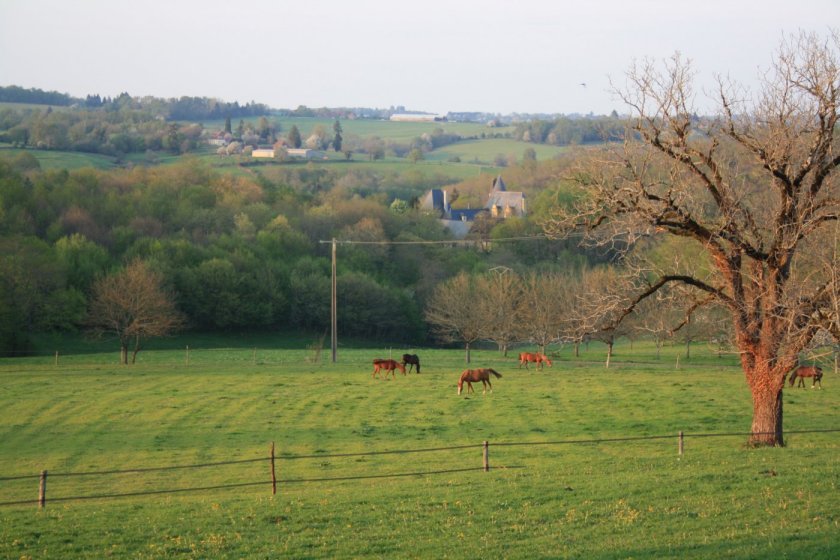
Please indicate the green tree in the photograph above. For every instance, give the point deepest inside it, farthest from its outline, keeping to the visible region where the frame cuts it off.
(337, 138)
(294, 137)
(415, 155)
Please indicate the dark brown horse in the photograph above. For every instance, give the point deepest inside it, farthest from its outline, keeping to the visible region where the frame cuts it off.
(536, 357)
(807, 371)
(388, 365)
(411, 360)
(483, 375)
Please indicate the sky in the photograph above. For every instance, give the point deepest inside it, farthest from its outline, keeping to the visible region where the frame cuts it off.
(496, 56)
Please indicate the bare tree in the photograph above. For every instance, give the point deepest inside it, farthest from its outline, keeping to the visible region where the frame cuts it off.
(500, 306)
(133, 306)
(452, 311)
(753, 187)
(547, 300)
(599, 312)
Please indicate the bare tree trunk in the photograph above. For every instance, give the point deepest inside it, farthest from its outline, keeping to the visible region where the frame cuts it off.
(136, 350)
(468, 352)
(767, 417)
(123, 354)
(609, 353)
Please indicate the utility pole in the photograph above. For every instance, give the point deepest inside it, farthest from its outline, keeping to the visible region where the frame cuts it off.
(333, 307)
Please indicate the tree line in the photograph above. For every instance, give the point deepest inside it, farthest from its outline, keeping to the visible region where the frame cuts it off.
(234, 251)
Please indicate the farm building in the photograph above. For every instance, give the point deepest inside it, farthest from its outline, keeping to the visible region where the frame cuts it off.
(417, 117)
(501, 203)
(263, 153)
(305, 153)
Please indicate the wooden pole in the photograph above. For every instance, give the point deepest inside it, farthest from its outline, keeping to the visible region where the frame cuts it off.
(188, 354)
(681, 443)
(333, 306)
(42, 490)
(273, 475)
(486, 456)
(56, 357)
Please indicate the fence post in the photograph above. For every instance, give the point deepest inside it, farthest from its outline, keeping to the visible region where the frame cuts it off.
(188, 354)
(56, 357)
(681, 444)
(486, 456)
(273, 475)
(42, 490)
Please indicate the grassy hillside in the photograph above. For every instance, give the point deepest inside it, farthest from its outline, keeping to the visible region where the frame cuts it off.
(401, 132)
(63, 160)
(335, 500)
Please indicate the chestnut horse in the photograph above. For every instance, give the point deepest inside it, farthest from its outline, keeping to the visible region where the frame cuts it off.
(483, 375)
(540, 359)
(388, 365)
(807, 371)
(411, 360)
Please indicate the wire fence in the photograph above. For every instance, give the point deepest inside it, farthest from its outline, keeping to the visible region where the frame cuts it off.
(272, 482)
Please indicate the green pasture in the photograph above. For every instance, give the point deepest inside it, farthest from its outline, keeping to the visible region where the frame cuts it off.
(193, 400)
(485, 151)
(50, 159)
(394, 131)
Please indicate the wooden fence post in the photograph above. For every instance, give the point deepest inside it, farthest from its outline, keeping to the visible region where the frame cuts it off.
(42, 490)
(486, 456)
(188, 354)
(681, 444)
(56, 357)
(273, 475)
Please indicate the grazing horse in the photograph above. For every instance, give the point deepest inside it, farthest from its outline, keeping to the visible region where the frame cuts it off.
(388, 365)
(483, 375)
(411, 360)
(807, 371)
(537, 357)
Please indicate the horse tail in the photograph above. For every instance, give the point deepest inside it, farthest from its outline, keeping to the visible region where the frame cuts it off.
(494, 372)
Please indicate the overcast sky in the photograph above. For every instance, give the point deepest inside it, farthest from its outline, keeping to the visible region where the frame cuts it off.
(499, 56)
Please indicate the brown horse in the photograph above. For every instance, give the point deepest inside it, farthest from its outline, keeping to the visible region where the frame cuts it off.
(807, 371)
(483, 375)
(411, 360)
(537, 357)
(388, 365)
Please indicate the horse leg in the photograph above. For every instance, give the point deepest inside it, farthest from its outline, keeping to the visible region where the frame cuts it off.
(491, 385)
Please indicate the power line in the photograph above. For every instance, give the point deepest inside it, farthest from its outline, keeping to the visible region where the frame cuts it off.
(439, 242)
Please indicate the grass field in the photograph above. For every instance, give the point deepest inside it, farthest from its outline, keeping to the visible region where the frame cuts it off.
(400, 132)
(63, 160)
(81, 413)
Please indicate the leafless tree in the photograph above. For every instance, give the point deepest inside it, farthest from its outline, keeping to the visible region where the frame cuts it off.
(500, 304)
(599, 312)
(547, 302)
(133, 305)
(452, 312)
(754, 187)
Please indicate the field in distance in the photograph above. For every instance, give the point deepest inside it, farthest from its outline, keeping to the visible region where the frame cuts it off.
(352, 482)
